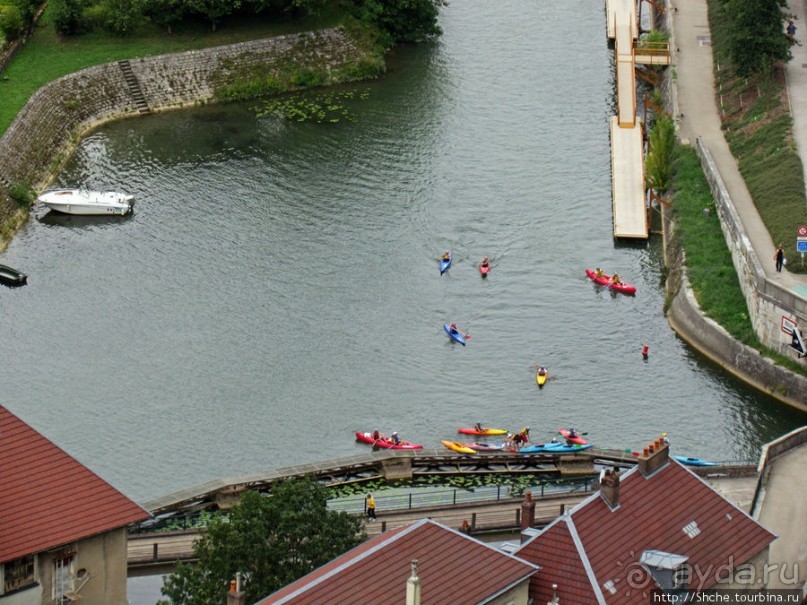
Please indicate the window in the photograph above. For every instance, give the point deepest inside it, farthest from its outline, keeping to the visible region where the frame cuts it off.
(18, 573)
(62, 579)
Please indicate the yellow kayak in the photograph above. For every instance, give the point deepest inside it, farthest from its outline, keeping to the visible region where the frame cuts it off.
(541, 378)
(458, 447)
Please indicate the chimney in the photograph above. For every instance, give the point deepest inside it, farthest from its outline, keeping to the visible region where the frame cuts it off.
(527, 511)
(609, 488)
(236, 596)
(654, 456)
(555, 600)
(413, 586)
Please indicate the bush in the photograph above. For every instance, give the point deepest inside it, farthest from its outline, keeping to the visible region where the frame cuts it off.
(23, 194)
(11, 23)
(68, 16)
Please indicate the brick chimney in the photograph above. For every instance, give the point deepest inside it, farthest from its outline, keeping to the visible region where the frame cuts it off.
(609, 488)
(413, 586)
(653, 457)
(236, 596)
(555, 600)
(527, 511)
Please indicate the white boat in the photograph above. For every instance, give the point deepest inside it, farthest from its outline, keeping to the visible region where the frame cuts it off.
(82, 201)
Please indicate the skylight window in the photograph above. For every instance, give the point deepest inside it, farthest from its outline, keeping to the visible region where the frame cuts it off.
(691, 529)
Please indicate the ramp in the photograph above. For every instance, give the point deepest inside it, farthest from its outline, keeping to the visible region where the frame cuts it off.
(627, 168)
(618, 10)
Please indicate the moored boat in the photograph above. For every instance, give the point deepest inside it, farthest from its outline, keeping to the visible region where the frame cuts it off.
(483, 432)
(85, 202)
(12, 277)
(458, 447)
(572, 439)
(554, 448)
(694, 461)
(386, 443)
(605, 280)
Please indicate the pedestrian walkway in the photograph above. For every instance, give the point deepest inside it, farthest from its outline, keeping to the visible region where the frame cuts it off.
(698, 116)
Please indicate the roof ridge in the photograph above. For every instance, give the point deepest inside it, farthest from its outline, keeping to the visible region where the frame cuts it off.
(581, 551)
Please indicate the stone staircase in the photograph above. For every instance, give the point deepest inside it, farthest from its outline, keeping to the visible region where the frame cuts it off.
(134, 87)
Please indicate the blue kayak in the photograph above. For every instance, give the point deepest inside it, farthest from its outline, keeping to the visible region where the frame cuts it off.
(445, 264)
(694, 461)
(553, 448)
(454, 335)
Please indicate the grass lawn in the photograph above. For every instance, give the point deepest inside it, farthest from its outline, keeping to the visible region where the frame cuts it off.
(48, 56)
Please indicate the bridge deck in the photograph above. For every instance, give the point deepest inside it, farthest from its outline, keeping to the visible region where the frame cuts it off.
(627, 167)
(619, 10)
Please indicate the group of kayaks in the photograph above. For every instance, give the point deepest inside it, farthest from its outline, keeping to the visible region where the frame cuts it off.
(610, 281)
(454, 333)
(571, 443)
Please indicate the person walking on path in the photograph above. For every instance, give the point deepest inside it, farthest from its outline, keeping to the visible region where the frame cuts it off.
(779, 257)
(370, 507)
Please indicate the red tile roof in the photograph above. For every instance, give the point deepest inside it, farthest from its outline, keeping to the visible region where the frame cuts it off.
(653, 513)
(452, 568)
(48, 498)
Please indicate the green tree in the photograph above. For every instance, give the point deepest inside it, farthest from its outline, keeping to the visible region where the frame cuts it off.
(11, 23)
(271, 540)
(67, 16)
(661, 154)
(213, 10)
(164, 13)
(756, 40)
(402, 20)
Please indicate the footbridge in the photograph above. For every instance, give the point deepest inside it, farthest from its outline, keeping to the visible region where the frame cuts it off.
(630, 212)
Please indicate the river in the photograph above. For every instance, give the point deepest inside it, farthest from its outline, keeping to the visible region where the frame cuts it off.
(277, 286)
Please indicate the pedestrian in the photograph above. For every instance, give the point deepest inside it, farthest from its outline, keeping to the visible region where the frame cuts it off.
(370, 507)
(779, 257)
(791, 31)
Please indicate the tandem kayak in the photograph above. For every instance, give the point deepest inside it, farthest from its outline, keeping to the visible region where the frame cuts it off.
(694, 461)
(483, 432)
(576, 439)
(554, 448)
(454, 334)
(605, 280)
(458, 447)
(387, 443)
(541, 378)
(445, 263)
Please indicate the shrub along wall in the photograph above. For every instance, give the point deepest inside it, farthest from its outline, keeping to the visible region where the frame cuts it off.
(58, 114)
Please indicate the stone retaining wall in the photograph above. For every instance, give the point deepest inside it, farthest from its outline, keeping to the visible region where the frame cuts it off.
(56, 117)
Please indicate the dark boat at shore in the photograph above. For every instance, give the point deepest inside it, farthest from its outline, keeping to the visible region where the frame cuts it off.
(11, 277)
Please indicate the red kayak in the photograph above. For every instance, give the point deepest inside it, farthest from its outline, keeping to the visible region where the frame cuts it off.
(484, 269)
(576, 439)
(605, 280)
(387, 443)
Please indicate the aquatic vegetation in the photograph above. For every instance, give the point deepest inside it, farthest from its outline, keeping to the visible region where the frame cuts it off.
(323, 108)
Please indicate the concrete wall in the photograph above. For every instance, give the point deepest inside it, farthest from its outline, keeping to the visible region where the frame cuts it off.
(58, 114)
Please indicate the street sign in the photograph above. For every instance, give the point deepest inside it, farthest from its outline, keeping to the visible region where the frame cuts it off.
(801, 246)
(798, 343)
(788, 325)
(803, 231)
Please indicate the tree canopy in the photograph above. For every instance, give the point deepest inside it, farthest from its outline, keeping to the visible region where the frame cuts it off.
(757, 40)
(272, 540)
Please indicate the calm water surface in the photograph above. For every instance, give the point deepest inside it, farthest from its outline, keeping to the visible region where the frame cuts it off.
(277, 287)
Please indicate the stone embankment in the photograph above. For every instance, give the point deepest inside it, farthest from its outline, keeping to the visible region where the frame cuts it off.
(56, 117)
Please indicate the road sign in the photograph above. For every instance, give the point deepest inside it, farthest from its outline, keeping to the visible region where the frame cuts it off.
(788, 325)
(803, 231)
(801, 246)
(798, 343)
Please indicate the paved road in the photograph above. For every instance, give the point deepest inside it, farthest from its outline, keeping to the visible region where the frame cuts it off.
(784, 512)
(698, 116)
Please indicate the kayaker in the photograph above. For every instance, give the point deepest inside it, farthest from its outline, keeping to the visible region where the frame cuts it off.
(395, 439)
(572, 433)
(525, 434)
(446, 255)
(485, 263)
(376, 435)
(478, 427)
(453, 327)
(541, 371)
(554, 440)
(615, 279)
(598, 272)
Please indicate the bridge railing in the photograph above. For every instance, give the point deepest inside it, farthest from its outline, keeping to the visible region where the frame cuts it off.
(770, 452)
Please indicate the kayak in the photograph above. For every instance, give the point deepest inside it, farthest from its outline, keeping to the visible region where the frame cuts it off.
(487, 432)
(386, 443)
(458, 447)
(485, 447)
(694, 461)
(541, 378)
(554, 448)
(578, 439)
(484, 269)
(605, 280)
(454, 334)
(445, 264)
